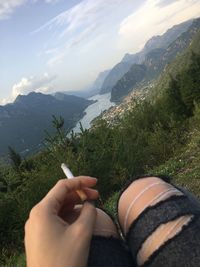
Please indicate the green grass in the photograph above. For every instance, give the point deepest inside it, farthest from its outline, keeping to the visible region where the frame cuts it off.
(184, 168)
(111, 204)
(15, 260)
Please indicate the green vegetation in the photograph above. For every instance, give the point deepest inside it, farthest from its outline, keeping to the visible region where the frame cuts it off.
(159, 136)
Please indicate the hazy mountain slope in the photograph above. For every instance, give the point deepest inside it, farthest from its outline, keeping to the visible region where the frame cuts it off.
(155, 42)
(128, 80)
(22, 123)
(94, 89)
(79, 93)
(114, 75)
(96, 86)
(159, 41)
(154, 63)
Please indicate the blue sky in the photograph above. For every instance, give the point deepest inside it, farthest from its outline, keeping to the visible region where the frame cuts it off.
(57, 45)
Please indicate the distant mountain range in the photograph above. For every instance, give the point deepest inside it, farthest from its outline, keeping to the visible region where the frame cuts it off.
(159, 41)
(186, 60)
(94, 89)
(22, 123)
(115, 74)
(152, 49)
(155, 48)
(154, 62)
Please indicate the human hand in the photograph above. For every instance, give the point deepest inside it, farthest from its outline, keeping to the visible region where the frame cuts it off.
(52, 239)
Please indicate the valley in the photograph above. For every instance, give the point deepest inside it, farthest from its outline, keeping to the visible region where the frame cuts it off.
(23, 122)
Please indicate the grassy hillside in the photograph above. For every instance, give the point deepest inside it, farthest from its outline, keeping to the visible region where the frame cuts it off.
(183, 167)
(181, 63)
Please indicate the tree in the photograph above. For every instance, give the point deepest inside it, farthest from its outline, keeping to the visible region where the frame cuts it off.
(172, 100)
(190, 83)
(15, 158)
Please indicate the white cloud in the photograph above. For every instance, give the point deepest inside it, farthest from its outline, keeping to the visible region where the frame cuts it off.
(7, 7)
(4, 101)
(60, 53)
(154, 18)
(74, 17)
(81, 24)
(51, 1)
(43, 84)
(47, 1)
(27, 85)
(163, 3)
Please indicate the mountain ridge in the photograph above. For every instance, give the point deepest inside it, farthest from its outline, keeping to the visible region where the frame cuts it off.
(93, 89)
(155, 62)
(161, 41)
(121, 68)
(23, 122)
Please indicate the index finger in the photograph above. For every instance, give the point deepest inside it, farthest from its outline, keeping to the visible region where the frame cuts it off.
(56, 196)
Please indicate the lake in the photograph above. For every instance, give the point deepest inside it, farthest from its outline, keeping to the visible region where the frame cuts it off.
(103, 103)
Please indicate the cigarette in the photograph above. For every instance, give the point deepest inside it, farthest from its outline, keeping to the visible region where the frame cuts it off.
(69, 175)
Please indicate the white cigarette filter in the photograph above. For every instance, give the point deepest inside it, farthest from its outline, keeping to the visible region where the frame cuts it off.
(67, 171)
(69, 175)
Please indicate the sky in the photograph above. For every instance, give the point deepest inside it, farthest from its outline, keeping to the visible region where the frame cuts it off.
(61, 45)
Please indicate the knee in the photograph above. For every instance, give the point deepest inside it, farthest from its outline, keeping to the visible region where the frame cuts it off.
(104, 225)
(141, 194)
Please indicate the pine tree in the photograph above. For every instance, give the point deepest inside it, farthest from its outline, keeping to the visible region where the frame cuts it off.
(172, 101)
(15, 158)
(190, 83)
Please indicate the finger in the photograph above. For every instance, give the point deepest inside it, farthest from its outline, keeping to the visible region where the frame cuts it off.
(86, 220)
(91, 194)
(71, 217)
(68, 206)
(73, 198)
(58, 194)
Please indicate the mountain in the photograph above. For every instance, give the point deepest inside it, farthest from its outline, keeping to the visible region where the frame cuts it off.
(114, 75)
(97, 85)
(23, 122)
(163, 41)
(94, 89)
(79, 93)
(154, 63)
(176, 70)
(181, 63)
(128, 81)
(159, 41)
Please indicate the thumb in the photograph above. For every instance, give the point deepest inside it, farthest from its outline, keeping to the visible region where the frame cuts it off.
(87, 219)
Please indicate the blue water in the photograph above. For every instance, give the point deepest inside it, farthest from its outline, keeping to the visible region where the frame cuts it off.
(103, 103)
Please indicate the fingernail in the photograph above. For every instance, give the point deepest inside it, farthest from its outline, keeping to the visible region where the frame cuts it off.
(93, 177)
(92, 202)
